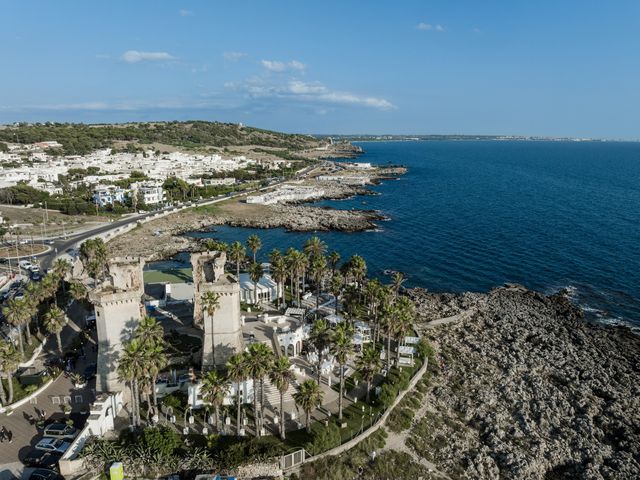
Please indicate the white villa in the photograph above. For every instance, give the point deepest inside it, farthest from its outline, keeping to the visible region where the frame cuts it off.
(266, 288)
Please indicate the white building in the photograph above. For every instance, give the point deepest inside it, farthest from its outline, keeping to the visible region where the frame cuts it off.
(108, 194)
(266, 288)
(219, 181)
(152, 193)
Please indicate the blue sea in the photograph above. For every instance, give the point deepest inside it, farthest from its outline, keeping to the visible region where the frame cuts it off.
(472, 215)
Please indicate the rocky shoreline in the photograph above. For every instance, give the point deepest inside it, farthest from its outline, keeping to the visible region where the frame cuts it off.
(528, 389)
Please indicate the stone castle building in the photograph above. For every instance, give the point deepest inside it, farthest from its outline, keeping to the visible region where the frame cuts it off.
(118, 309)
(223, 332)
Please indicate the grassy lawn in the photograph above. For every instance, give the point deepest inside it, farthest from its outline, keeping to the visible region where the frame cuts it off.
(176, 275)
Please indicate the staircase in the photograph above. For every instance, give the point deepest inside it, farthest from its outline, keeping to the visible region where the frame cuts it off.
(272, 394)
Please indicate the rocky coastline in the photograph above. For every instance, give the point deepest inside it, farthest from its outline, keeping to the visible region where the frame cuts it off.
(528, 389)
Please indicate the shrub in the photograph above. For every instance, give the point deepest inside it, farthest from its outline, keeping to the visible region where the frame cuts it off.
(325, 439)
(161, 440)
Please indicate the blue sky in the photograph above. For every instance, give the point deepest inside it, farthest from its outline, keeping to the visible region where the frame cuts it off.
(492, 67)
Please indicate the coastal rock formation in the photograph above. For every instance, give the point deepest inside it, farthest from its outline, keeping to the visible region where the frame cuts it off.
(528, 390)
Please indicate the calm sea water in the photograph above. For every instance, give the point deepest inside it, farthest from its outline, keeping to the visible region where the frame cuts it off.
(474, 215)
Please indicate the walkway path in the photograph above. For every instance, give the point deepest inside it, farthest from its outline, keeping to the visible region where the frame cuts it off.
(398, 442)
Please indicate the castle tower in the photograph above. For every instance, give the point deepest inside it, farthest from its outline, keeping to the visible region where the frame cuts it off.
(118, 308)
(223, 332)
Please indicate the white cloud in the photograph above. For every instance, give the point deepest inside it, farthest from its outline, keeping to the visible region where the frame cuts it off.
(233, 56)
(277, 66)
(185, 13)
(476, 30)
(307, 92)
(135, 56)
(428, 26)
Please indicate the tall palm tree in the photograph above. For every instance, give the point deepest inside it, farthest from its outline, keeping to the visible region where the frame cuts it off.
(334, 259)
(54, 322)
(397, 279)
(156, 360)
(149, 331)
(213, 390)
(237, 371)
(318, 268)
(279, 272)
(254, 243)
(281, 376)
(93, 254)
(78, 290)
(368, 365)
(236, 254)
(337, 283)
(314, 247)
(388, 316)
(357, 269)
(274, 255)
(290, 263)
(9, 361)
(255, 272)
(308, 396)
(342, 348)
(62, 268)
(299, 264)
(211, 303)
(131, 369)
(17, 315)
(321, 338)
(261, 361)
(405, 314)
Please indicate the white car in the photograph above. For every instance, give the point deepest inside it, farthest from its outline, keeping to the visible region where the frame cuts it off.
(49, 444)
(34, 269)
(26, 264)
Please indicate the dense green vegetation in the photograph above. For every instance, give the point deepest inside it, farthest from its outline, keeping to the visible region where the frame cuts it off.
(80, 139)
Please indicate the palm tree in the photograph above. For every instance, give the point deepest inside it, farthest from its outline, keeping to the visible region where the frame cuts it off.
(337, 282)
(260, 362)
(9, 361)
(17, 315)
(131, 369)
(357, 269)
(342, 348)
(237, 254)
(54, 322)
(397, 279)
(254, 243)
(93, 254)
(308, 396)
(318, 267)
(149, 332)
(214, 389)
(405, 310)
(255, 272)
(211, 303)
(62, 268)
(237, 371)
(299, 264)
(279, 272)
(78, 291)
(314, 248)
(388, 317)
(320, 337)
(334, 259)
(156, 360)
(369, 365)
(281, 376)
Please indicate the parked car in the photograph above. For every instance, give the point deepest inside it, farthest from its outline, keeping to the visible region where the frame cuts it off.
(60, 430)
(49, 444)
(26, 264)
(44, 474)
(34, 268)
(35, 276)
(40, 458)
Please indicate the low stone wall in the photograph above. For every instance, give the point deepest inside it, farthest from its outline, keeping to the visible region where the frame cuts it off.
(9, 408)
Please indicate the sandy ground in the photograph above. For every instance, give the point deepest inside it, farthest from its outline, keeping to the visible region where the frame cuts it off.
(30, 220)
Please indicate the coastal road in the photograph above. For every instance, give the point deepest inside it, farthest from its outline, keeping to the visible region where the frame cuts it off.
(60, 245)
